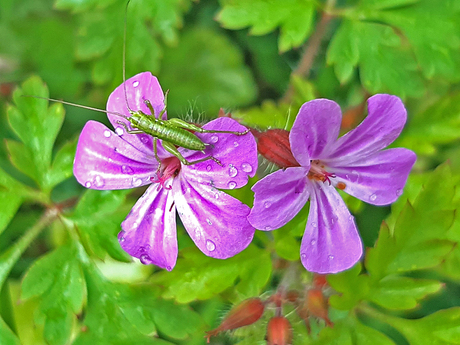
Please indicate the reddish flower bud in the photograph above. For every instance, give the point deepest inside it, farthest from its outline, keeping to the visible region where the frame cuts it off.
(274, 146)
(244, 314)
(317, 305)
(319, 280)
(279, 331)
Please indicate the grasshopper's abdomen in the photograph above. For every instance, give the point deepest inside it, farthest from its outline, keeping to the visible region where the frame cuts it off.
(160, 129)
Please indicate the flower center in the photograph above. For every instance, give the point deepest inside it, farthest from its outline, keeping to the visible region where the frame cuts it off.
(318, 172)
(170, 168)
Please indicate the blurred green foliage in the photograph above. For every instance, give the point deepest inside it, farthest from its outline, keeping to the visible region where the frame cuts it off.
(64, 278)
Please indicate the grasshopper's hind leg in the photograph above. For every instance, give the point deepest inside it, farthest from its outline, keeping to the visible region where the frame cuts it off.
(182, 124)
(173, 150)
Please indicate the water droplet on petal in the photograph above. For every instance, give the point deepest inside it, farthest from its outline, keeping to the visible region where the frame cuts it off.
(210, 245)
(144, 139)
(373, 197)
(313, 242)
(98, 181)
(214, 139)
(313, 224)
(136, 84)
(399, 191)
(107, 133)
(134, 225)
(136, 182)
(246, 167)
(351, 218)
(232, 185)
(208, 168)
(303, 256)
(121, 239)
(267, 204)
(88, 184)
(119, 131)
(268, 227)
(235, 144)
(145, 259)
(354, 176)
(232, 171)
(208, 221)
(216, 195)
(126, 169)
(331, 257)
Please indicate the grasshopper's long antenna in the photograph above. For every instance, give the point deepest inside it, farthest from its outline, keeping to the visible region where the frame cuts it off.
(124, 57)
(78, 105)
(287, 120)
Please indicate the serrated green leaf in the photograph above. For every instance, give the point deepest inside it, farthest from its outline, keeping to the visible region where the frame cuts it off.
(198, 277)
(294, 17)
(401, 292)
(58, 279)
(62, 163)
(216, 74)
(439, 328)
(382, 60)
(22, 159)
(37, 126)
(9, 204)
(98, 220)
(7, 337)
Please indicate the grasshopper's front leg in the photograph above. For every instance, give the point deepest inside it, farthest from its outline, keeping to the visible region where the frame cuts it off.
(185, 125)
(173, 150)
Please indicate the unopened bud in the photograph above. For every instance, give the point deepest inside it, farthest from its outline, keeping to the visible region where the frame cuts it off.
(244, 314)
(317, 305)
(274, 146)
(279, 331)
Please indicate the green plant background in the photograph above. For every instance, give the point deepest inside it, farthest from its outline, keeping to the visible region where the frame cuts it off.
(63, 277)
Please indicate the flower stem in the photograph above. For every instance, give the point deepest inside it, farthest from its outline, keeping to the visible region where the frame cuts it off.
(12, 255)
(311, 49)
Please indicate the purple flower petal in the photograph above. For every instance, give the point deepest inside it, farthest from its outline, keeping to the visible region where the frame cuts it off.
(331, 242)
(105, 161)
(215, 221)
(236, 153)
(316, 127)
(378, 179)
(143, 86)
(278, 198)
(149, 231)
(379, 129)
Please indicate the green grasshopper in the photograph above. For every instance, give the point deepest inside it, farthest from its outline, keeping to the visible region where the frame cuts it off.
(173, 132)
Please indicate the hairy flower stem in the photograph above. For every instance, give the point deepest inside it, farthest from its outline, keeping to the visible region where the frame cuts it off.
(311, 50)
(12, 255)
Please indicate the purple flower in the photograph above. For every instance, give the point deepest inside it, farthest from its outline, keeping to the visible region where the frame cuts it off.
(354, 163)
(215, 221)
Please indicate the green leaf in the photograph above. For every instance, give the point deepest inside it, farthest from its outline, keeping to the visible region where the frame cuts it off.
(350, 331)
(37, 126)
(12, 194)
(400, 248)
(378, 52)
(62, 164)
(439, 328)
(293, 17)
(58, 279)
(98, 217)
(216, 74)
(7, 337)
(198, 277)
(399, 293)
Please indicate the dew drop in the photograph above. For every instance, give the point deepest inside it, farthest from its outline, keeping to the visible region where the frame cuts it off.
(136, 84)
(313, 242)
(121, 239)
(216, 195)
(208, 221)
(208, 168)
(351, 218)
(136, 182)
(88, 184)
(246, 167)
(145, 259)
(214, 139)
(210, 245)
(303, 256)
(267, 204)
(373, 197)
(331, 257)
(126, 169)
(354, 176)
(144, 139)
(232, 171)
(235, 144)
(134, 225)
(107, 134)
(119, 130)
(399, 191)
(98, 181)
(313, 224)
(232, 185)
(268, 227)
